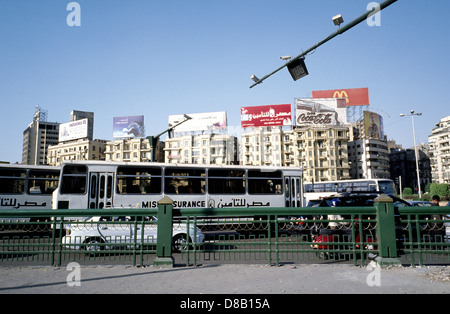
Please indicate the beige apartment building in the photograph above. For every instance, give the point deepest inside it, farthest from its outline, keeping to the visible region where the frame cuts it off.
(320, 151)
(133, 150)
(439, 148)
(208, 149)
(80, 149)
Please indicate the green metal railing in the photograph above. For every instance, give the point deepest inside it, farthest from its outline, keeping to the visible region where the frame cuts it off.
(408, 235)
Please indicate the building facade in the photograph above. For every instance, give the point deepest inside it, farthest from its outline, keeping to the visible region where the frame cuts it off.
(320, 151)
(37, 137)
(133, 150)
(368, 153)
(208, 149)
(80, 149)
(439, 149)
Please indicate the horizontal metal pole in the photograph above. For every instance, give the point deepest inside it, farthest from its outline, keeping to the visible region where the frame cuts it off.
(336, 33)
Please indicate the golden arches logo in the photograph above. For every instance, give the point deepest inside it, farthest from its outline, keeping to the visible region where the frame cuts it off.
(341, 94)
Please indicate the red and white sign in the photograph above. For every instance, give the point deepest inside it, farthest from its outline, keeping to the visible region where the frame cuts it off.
(352, 96)
(270, 115)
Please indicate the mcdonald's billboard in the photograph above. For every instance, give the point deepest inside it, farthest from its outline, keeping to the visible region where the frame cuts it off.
(352, 96)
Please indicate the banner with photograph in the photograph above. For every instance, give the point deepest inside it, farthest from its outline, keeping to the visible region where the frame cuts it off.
(373, 125)
(128, 127)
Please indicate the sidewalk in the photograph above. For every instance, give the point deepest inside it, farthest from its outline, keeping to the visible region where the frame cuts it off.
(225, 279)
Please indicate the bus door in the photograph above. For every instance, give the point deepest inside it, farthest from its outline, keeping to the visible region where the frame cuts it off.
(293, 191)
(101, 189)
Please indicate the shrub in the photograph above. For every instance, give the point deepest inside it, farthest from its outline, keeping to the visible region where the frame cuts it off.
(440, 189)
(407, 191)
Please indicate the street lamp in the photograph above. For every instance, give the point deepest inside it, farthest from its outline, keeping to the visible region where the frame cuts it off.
(412, 114)
(296, 64)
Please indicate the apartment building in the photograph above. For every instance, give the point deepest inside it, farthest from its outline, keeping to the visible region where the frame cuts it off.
(37, 137)
(79, 149)
(439, 150)
(369, 158)
(320, 151)
(209, 149)
(133, 150)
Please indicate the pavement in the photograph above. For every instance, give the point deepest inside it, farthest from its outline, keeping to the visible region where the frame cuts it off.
(225, 279)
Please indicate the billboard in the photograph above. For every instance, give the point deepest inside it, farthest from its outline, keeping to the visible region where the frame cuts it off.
(320, 112)
(352, 96)
(207, 121)
(128, 127)
(270, 115)
(73, 130)
(373, 125)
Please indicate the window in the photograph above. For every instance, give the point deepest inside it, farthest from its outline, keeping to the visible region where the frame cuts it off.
(184, 181)
(264, 182)
(226, 181)
(139, 180)
(12, 181)
(74, 178)
(42, 182)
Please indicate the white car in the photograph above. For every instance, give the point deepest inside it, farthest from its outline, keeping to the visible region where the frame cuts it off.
(95, 234)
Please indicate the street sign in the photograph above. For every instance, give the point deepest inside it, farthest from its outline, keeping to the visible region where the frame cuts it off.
(298, 69)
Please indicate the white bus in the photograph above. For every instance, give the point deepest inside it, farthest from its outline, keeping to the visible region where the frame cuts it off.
(99, 184)
(315, 191)
(27, 186)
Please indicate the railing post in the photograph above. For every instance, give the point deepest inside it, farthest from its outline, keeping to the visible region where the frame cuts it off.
(164, 256)
(386, 236)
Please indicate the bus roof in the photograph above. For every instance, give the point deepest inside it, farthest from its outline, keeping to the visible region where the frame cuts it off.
(32, 167)
(158, 164)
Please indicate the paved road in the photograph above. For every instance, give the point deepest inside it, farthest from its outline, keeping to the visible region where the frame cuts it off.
(224, 279)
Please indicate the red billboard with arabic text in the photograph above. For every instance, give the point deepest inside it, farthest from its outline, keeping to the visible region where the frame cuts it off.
(270, 115)
(352, 96)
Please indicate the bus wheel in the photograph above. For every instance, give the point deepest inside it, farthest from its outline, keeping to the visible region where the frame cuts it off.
(179, 243)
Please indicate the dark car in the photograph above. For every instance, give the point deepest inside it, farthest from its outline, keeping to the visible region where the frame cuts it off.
(433, 229)
(358, 200)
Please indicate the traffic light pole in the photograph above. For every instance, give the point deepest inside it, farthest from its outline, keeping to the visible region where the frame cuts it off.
(341, 30)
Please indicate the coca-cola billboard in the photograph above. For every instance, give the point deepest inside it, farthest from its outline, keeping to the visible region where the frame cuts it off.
(320, 112)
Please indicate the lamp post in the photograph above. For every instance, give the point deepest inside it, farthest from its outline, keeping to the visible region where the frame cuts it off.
(415, 147)
(296, 65)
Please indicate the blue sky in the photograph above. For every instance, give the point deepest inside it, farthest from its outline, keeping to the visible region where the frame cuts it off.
(157, 58)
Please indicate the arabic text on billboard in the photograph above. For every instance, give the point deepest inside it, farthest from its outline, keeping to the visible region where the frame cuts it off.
(200, 121)
(73, 130)
(373, 125)
(270, 115)
(352, 96)
(128, 127)
(320, 112)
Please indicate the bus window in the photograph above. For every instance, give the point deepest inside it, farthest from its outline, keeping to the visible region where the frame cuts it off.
(386, 187)
(42, 182)
(12, 181)
(184, 181)
(74, 178)
(226, 181)
(138, 180)
(264, 182)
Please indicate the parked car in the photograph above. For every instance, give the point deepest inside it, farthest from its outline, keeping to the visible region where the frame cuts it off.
(95, 234)
(355, 199)
(420, 203)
